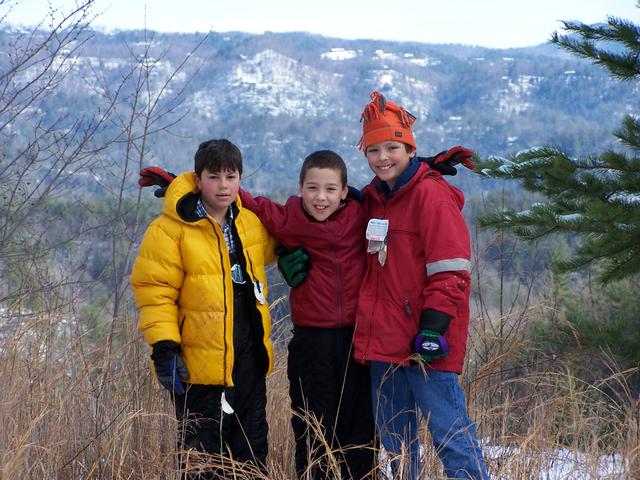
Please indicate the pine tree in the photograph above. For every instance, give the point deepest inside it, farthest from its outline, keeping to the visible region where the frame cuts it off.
(596, 197)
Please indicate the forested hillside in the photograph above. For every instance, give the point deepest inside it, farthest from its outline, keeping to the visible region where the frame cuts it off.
(281, 96)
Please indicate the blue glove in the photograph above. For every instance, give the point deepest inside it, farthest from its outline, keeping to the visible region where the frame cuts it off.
(170, 368)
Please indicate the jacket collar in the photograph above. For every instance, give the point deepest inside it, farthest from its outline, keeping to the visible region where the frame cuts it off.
(383, 188)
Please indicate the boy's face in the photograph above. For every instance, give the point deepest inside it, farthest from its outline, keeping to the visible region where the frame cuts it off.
(322, 191)
(218, 190)
(388, 160)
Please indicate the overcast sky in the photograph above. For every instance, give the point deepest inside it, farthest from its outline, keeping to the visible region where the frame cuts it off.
(489, 23)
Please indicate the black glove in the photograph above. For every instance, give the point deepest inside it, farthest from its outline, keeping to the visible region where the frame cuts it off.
(170, 368)
(293, 265)
(430, 342)
(445, 161)
(156, 176)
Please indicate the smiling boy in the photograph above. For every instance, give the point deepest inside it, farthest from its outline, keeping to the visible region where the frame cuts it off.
(324, 381)
(412, 319)
(200, 284)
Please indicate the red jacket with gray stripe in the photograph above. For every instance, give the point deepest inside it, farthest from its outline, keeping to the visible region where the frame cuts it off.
(427, 267)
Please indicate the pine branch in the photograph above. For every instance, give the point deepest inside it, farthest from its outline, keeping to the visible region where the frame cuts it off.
(629, 135)
(594, 41)
(596, 197)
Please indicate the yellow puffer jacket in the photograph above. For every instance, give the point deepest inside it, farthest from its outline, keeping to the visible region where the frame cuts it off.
(182, 284)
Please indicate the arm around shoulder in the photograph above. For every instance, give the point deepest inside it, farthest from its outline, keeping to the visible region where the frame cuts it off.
(272, 214)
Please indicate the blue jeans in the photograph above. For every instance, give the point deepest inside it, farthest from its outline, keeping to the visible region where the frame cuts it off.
(400, 393)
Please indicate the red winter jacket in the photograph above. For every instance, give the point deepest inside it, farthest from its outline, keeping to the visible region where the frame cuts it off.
(329, 295)
(427, 267)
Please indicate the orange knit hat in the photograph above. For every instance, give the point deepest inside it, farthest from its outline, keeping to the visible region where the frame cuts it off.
(384, 120)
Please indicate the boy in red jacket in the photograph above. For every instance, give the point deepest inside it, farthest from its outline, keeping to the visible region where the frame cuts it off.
(414, 299)
(327, 387)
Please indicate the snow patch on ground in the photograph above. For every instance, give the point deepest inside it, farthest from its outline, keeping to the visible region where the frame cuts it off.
(560, 464)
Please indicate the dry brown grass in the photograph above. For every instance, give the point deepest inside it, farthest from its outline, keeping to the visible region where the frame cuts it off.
(73, 409)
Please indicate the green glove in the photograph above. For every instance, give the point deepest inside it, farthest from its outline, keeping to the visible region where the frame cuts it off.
(294, 266)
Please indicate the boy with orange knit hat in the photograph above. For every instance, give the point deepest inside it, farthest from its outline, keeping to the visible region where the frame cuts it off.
(413, 308)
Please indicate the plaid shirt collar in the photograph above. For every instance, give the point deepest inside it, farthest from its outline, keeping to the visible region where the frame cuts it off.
(226, 230)
(201, 212)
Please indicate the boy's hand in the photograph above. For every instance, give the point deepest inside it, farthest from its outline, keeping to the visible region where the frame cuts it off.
(156, 176)
(293, 265)
(430, 345)
(445, 161)
(430, 342)
(170, 368)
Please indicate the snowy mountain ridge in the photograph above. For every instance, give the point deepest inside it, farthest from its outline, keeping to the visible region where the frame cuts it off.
(280, 96)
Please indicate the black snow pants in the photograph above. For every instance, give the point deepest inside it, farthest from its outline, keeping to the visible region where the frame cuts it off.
(240, 436)
(331, 400)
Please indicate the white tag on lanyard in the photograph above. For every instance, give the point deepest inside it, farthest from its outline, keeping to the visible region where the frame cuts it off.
(377, 229)
(376, 235)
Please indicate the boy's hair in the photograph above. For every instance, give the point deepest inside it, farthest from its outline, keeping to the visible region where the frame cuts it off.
(217, 156)
(324, 159)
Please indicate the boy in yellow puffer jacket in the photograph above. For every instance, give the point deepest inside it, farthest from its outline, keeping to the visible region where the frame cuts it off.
(200, 284)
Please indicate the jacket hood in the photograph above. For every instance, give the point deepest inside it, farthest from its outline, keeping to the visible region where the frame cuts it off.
(456, 194)
(182, 197)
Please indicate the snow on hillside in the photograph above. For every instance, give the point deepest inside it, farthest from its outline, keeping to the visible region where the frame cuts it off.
(339, 54)
(404, 90)
(278, 85)
(512, 97)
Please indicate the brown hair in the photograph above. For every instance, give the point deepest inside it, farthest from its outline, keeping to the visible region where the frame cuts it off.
(324, 159)
(217, 156)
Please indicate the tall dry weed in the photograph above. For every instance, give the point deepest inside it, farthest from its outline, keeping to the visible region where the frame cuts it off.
(64, 416)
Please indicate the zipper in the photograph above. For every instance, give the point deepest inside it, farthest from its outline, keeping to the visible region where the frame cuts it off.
(376, 270)
(339, 280)
(226, 310)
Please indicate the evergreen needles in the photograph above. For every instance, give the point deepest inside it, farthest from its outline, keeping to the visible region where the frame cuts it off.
(596, 197)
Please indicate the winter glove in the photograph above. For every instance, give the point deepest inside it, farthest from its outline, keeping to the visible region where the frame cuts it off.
(170, 368)
(445, 161)
(430, 345)
(156, 176)
(430, 342)
(294, 266)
